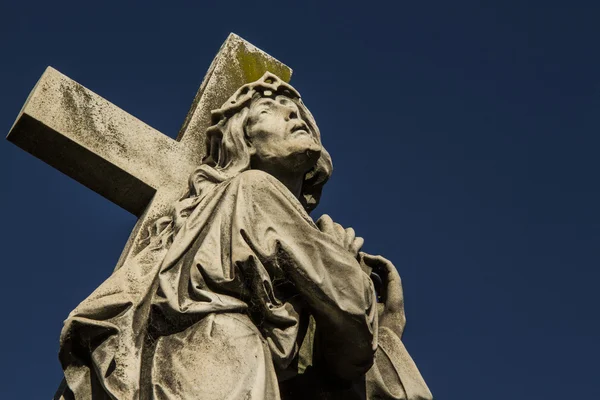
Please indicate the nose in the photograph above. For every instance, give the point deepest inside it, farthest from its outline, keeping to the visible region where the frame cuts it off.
(292, 114)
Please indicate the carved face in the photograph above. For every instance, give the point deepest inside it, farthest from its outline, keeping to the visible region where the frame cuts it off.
(279, 138)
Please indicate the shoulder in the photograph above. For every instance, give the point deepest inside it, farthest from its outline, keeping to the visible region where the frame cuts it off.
(264, 190)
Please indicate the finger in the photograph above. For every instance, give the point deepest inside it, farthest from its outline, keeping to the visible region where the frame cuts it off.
(394, 293)
(325, 224)
(350, 236)
(394, 297)
(321, 220)
(340, 233)
(384, 265)
(357, 244)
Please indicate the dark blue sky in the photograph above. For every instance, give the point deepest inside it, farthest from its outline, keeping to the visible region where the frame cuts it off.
(465, 139)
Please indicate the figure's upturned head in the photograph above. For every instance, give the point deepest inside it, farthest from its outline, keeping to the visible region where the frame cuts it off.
(279, 138)
(265, 125)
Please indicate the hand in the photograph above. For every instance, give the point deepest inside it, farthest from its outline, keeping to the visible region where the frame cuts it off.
(344, 237)
(391, 310)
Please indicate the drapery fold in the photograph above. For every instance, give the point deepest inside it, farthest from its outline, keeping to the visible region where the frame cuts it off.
(222, 293)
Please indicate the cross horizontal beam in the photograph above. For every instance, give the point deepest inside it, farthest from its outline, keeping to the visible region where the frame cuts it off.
(115, 154)
(97, 143)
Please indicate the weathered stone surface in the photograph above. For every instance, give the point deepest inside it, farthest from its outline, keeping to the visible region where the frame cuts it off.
(97, 143)
(119, 156)
(236, 293)
(237, 280)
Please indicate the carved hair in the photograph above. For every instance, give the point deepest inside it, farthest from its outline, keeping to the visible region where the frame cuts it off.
(227, 151)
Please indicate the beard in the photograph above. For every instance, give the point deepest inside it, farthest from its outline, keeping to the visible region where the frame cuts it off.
(302, 159)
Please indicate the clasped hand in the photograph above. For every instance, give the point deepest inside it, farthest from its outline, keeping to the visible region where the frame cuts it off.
(384, 275)
(344, 237)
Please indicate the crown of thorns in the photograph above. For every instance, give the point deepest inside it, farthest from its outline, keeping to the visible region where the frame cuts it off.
(269, 85)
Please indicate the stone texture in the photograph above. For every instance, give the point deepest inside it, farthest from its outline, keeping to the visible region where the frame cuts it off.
(120, 157)
(235, 292)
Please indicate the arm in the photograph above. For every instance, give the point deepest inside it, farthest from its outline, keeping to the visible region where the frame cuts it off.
(326, 275)
(394, 374)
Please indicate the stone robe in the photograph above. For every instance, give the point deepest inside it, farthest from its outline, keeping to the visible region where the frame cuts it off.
(238, 295)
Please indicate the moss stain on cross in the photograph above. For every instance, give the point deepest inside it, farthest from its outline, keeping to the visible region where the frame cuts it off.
(253, 66)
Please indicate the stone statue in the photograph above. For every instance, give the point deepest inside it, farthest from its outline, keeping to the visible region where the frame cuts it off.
(238, 294)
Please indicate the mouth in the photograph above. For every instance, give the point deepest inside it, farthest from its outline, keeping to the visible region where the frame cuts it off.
(300, 129)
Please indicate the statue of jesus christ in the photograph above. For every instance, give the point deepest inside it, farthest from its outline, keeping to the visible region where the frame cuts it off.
(238, 294)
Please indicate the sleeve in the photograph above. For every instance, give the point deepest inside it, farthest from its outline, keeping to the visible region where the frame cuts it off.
(276, 229)
(394, 374)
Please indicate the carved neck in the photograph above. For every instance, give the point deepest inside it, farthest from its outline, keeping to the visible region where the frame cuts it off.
(293, 181)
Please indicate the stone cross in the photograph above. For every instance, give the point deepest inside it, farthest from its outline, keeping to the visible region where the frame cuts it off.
(120, 157)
